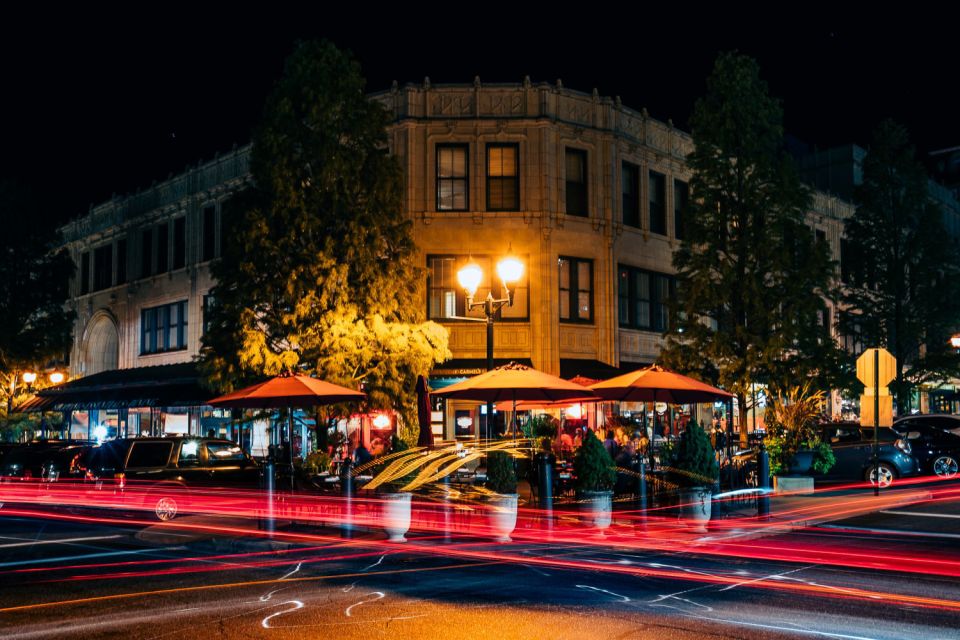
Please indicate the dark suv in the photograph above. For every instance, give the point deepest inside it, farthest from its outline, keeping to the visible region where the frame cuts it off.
(45, 459)
(853, 448)
(933, 444)
(160, 472)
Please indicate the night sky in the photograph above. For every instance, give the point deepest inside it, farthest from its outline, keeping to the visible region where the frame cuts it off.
(94, 105)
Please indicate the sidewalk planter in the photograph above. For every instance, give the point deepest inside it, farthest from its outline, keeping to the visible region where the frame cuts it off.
(503, 515)
(801, 462)
(695, 507)
(599, 506)
(396, 515)
(793, 485)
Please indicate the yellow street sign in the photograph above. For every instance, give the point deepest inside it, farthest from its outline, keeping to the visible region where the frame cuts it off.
(867, 374)
(866, 410)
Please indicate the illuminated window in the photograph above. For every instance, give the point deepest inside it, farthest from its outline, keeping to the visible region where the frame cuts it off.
(576, 182)
(452, 177)
(576, 289)
(503, 177)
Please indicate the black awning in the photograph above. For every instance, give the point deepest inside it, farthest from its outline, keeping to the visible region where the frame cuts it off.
(593, 369)
(161, 386)
(458, 367)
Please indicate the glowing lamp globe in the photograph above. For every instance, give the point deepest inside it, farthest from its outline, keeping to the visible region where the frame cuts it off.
(469, 277)
(56, 377)
(955, 341)
(29, 377)
(510, 269)
(381, 421)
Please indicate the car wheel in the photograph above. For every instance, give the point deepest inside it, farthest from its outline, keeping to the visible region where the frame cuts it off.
(164, 507)
(946, 466)
(884, 471)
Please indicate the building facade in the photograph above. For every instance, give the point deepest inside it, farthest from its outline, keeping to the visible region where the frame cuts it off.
(588, 193)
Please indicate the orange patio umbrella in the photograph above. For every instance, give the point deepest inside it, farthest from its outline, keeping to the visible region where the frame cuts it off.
(286, 391)
(656, 384)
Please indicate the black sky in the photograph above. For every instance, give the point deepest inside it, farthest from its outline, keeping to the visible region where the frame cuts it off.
(93, 105)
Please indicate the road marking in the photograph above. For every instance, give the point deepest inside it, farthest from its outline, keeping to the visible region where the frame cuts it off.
(297, 605)
(380, 596)
(287, 575)
(105, 554)
(375, 563)
(59, 541)
(898, 532)
(773, 576)
(623, 598)
(923, 514)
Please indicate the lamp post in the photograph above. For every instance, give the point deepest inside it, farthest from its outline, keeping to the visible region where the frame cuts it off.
(510, 270)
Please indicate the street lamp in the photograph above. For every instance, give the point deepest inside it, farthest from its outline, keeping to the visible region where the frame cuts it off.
(29, 377)
(56, 377)
(510, 270)
(955, 341)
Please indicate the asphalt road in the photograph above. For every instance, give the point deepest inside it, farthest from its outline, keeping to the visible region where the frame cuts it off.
(81, 580)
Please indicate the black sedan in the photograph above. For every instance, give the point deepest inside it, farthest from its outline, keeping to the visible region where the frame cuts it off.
(937, 449)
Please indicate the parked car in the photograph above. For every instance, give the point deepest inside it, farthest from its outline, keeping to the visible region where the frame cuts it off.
(853, 448)
(36, 460)
(943, 421)
(935, 447)
(164, 470)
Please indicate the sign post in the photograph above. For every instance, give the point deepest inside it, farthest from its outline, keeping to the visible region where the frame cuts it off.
(875, 369)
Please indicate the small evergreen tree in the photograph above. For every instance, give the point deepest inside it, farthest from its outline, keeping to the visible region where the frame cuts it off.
(692, 461)
(501, 476)
(593, 465)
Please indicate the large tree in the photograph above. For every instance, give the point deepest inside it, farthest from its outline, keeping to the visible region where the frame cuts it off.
(752, 282)
(319, 271)
(35, 325)
(902, 271)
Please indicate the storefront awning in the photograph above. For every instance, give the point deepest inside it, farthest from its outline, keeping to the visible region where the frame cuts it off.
(461, 367)
(161, 386)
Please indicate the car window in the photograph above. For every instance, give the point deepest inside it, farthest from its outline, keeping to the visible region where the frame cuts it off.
(149, 454)
(841, 436)
(189, 454)
(886, 434)
(224, 453)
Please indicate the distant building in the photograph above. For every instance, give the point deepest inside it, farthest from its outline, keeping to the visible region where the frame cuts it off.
(589, 193)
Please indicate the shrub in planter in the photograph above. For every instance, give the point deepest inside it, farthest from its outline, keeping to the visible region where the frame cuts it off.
(593, 466)
(792, 423)
(692, 461)
(501, 476)
(541, 428)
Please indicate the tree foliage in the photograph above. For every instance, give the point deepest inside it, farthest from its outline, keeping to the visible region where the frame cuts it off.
(902, 270)
(35, 326)
(751, 279)
(319, 271)
(692, 461)
(593, 466)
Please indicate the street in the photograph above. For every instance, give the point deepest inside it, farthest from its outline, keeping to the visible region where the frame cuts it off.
(80, 579)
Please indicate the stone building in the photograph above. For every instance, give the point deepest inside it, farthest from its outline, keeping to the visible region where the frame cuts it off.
(588, 193)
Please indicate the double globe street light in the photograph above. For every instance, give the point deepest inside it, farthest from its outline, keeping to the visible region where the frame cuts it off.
(510, 270)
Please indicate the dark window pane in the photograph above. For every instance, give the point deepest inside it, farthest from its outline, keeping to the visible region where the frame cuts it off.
(85, 272)
(102, 267)
(146, 253)
(179, 243)
(631, 194)
(658, 203)
(163, 248)
(121, 261)
(209, 233)
(503, 182)
(163, 328)
(452, 178)
(576, 182)
(681, 196)
(149, 454)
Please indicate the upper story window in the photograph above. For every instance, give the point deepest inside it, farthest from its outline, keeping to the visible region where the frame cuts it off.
(163, 328)
(453, 185)
(163, 247)
(84, 272)
(503, 177)
(576, 289)
(681, 198)
(103, 267)
(644, 299)
(180, 242)
(146, 253)
(209, 248)
(658, 203)
(630, 186)
(576, 181)
(208, 302)
(122, 261)
(446, 298)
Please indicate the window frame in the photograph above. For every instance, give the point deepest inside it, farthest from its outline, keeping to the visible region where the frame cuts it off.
(636, 208)
(680, 208)
(574, 289)
(465, 179)
(156, 326)
(460, 297)
(658, 306)
(179, 243)
(516, 177)
(661, 205)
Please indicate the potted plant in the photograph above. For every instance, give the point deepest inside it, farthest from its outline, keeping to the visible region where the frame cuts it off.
(793, 442)
(542, 429)
(596, 475)
(693, 467)
(502, 481)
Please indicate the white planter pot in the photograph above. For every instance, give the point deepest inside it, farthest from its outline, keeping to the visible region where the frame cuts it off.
(396, 515)
(599, 505)
(695, 505)
(503, 515)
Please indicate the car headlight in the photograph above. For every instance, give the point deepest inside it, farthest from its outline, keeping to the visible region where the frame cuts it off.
(903, 445)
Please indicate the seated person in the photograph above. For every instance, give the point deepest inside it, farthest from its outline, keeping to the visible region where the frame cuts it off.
(361, 455)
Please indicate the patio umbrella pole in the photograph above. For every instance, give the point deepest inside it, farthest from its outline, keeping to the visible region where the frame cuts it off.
(290, 447)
